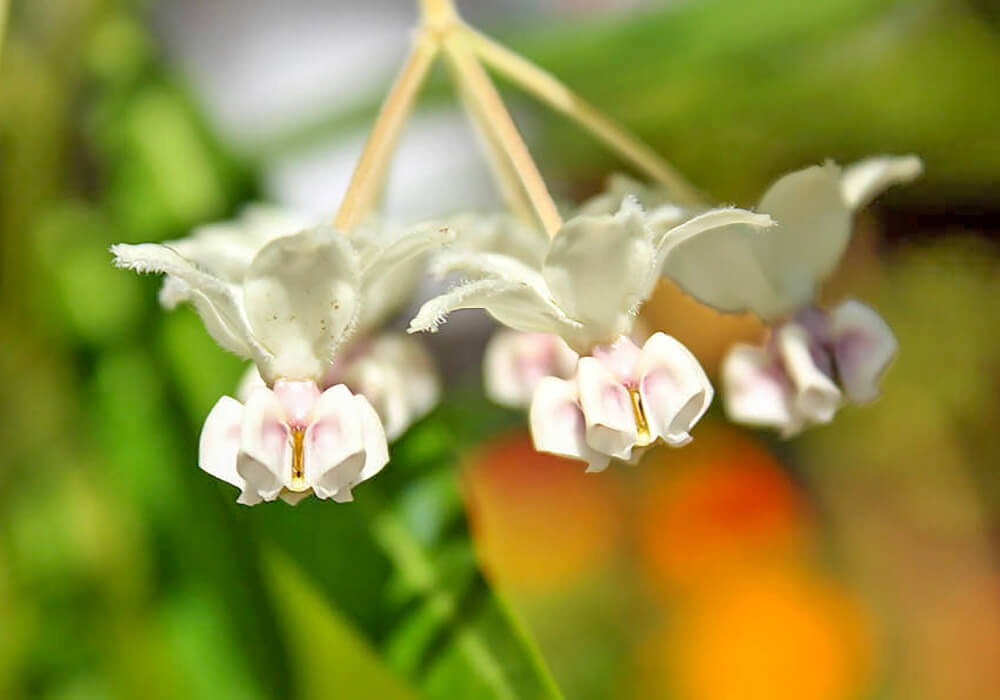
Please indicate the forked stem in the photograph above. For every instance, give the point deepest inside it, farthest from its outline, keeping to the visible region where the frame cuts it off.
(370, 171)
(494, 118)
(544, 86)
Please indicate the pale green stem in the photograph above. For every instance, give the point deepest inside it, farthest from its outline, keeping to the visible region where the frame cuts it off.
(371, 169)
(495, 118)
(544, 86)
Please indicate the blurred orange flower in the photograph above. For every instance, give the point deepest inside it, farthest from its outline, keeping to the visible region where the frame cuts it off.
(717, 504)
(539, 520)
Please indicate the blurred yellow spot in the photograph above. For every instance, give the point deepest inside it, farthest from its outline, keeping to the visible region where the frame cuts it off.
(781, 634)
(539, 520)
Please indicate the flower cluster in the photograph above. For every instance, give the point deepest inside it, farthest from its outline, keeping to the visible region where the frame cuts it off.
(289, 301)
(330, 387)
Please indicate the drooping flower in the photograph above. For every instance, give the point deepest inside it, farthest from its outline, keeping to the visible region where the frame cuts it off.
(391, 262)
(813, 359)
(596, 273)
(297, 301)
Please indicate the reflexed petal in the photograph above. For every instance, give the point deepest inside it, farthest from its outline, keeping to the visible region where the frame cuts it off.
(301, 295)
(512, 303)
(721, 266)
(514, 363)
(220, 441)
(333, 446)
(558, 426)
(391, 268)
(265, 458)
(816, 396)
(863, 348)
(600, 269)
(675, 390)
(607, 408)
(756, 389)
(216, 302)
(814, 227)
(865, 180)
(500, 233)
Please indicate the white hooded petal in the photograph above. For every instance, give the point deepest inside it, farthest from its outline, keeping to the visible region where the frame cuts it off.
(265, 458)
(721, 266)
(600, 269)
(219, 444)
(617, 189)
(865, 180)
(301, 295)
(863, 347)
(514, 363)
(607, 408)
(757, 392)
(558, 426)
(814, 227)
(334, 450)
(512, 303)
(674, 388)
(816, 396)
(216, 301)
(500, 233)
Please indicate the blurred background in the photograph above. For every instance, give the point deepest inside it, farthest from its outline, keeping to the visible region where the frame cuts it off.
(858, 561)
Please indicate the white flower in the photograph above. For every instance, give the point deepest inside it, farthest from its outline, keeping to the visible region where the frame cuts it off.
(622, 398)
(789, 384)
(597, 272)
(814, 360)
(514, 363)
(295, 303)
(292, 441)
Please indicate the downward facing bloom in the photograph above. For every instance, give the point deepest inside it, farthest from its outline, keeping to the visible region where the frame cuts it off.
(814, 359)
(296, 302)
(596, 273)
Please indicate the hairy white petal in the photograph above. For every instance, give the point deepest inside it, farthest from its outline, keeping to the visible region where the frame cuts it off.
(216, 302)
(600, 269)
(674, 388)
(865, 180)
(864, 345)
(301, 295)
(512, 303)
(721, 266)
(814, 227)
(220, 441)
(558, 426)
(391, 268)
(816, 396)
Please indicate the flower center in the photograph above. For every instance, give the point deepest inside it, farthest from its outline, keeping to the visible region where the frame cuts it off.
(644, 438)
(298, 461)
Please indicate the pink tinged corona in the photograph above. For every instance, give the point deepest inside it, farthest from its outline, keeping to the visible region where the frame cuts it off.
(292, 441)
(622, 400)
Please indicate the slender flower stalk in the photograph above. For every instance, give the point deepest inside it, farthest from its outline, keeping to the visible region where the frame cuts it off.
(370, 170)
(547, 88)
(496, 119)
